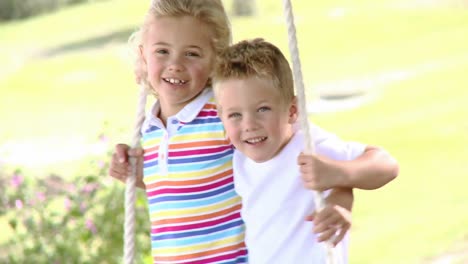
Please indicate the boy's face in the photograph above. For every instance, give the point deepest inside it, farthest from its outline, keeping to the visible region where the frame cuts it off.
(178, 55)
(257, 121)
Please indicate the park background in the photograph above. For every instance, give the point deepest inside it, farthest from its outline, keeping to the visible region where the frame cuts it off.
(392, 73)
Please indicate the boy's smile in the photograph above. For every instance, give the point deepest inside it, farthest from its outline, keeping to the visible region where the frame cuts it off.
(257, 121)
(256, 140)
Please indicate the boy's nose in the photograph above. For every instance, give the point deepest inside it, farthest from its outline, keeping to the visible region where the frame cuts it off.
(250, 124)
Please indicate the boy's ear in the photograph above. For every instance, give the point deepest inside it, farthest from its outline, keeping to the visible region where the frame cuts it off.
(293, 111)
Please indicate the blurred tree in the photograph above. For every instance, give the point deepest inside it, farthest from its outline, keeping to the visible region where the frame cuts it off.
(243, 7)
(15, 9)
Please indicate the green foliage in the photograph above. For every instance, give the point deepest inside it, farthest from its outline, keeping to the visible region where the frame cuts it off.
(14, 9)
(55, 220)
(243, 8)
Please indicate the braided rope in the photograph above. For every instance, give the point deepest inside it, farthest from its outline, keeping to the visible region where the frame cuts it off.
(130, 188)
(304, 122)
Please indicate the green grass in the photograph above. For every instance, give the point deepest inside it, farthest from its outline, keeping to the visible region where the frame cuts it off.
(57, 85)
(363, 42)
(423, 123)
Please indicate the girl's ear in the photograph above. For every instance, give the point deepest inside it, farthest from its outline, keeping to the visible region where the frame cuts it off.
(293, 111)
(142, 53)
(139, 67)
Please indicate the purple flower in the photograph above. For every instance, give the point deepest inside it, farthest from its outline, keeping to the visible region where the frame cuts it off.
(70, 188)
(19, 204)
(67, 204)
(82, 207)
(40, 196)
(89, 187)
(103, 138)
(16, 180)
(101, 164)
(90, 225)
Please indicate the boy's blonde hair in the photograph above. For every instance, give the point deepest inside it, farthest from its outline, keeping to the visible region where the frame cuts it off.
(255, 58)
(210, 12)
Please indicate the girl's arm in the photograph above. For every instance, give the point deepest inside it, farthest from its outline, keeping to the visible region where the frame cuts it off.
(120, 168)
(334, 221)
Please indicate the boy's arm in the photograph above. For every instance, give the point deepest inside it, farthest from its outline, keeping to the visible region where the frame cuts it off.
(374, 168)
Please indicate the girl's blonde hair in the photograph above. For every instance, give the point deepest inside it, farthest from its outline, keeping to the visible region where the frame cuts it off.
(210, 12)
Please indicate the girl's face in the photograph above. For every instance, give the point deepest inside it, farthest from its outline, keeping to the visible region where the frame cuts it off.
(257, 121)
(179, 56)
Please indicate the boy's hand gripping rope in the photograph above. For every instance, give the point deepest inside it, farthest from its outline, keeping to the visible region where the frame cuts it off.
(129, 224)
(304, 122)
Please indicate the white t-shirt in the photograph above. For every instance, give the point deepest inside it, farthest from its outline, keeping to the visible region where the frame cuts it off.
(275, 203)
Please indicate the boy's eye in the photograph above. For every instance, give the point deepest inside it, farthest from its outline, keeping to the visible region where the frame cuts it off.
(264, 109)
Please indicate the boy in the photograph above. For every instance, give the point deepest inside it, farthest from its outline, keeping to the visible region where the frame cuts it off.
(253, 87)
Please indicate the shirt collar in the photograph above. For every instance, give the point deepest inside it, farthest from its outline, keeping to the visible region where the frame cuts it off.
(190, 111)
(186, 115)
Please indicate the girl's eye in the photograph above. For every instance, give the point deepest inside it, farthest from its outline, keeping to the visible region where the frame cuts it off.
(162, 51)
(234, 115)
(264, 109)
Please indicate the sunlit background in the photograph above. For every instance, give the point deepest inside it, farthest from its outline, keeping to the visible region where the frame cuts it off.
(392, 73)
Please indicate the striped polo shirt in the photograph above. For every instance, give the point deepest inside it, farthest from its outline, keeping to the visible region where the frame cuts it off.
(194, 210)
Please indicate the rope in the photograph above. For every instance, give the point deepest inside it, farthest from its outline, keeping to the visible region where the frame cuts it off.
(129, 224)
(303, 120)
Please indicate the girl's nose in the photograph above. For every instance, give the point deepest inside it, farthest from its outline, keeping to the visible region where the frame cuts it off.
(176, 64)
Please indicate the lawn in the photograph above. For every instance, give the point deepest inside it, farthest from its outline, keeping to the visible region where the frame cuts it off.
(63, 92)
(424, 212)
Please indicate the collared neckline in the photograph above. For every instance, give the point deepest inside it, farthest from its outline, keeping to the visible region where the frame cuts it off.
(186, 115)
(190, 111)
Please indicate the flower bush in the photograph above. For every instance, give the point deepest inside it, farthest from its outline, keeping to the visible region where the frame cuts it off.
(55, 220)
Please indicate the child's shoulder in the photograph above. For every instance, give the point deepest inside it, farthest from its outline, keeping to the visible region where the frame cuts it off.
(210, 102)
(200, 111)
(202, 103)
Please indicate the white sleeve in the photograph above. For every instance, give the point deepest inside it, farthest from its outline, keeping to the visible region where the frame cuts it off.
(331, 146)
